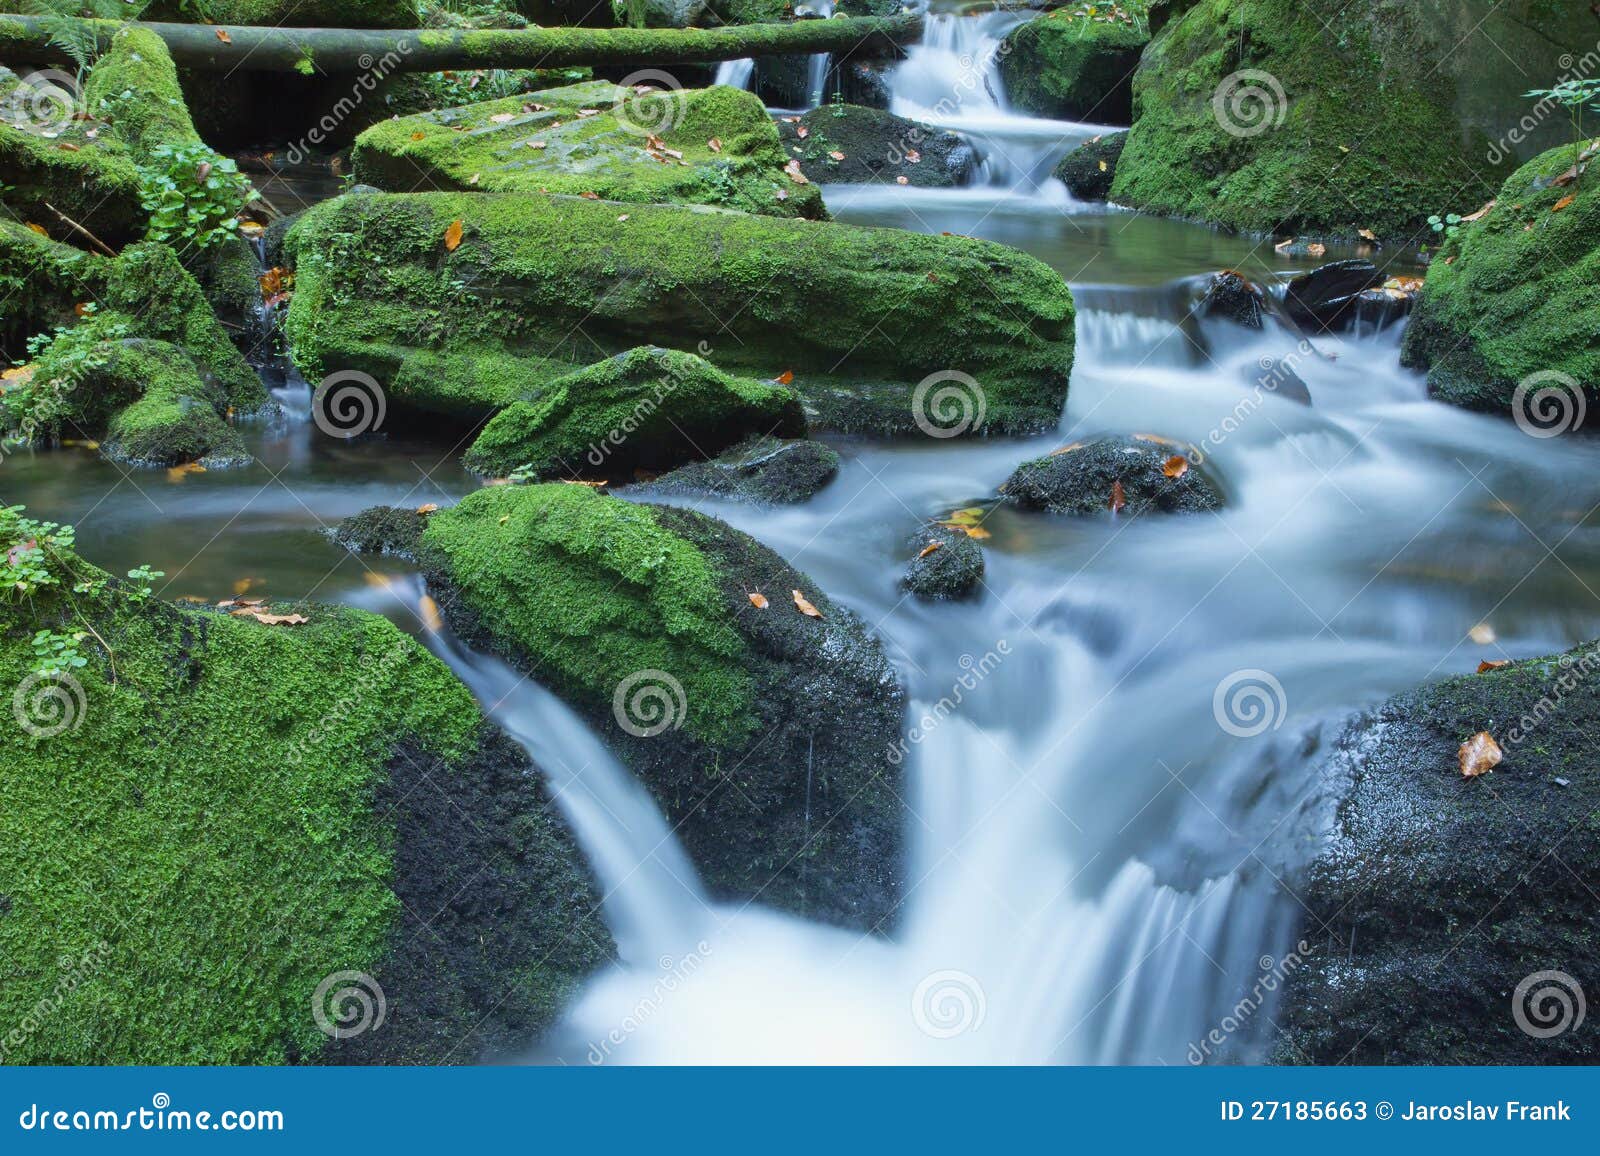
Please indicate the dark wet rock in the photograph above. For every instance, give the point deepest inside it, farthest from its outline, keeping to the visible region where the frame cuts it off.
(649, 408)
(391, 530)
(1070, 67)
(1089, 169)
(1436, 896)
(953, 571)
(1083, 479)
(762, 470)
(1328, 298)
(876, 146)
(865, 83)
(1233, 297)
(765, 734)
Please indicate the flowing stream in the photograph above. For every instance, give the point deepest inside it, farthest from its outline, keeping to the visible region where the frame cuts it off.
(1119, 772)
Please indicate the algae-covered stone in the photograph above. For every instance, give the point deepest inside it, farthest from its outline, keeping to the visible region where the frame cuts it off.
(1515, 299)
(387, 530)
(218, 821)
(1321, 116)
(874, 145)
(1126, 476)
(764, 470)
(1073, 67)
(763, 733)
(1436, 896)
(537, 284)
(179, 414)
(948, 565)
(713, 146)
(1089, 170)
(650, 408)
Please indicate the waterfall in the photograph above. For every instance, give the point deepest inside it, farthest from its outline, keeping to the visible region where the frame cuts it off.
(817, 66)
(736, 73)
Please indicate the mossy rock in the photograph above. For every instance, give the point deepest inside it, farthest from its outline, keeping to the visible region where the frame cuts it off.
(232, 813)
(647, 409)
(595, 138)
(1341, 120)
(1089, 170)
(1089, 477)
(1516, 297)
(948, 565)
(291, 13)
(1071, 67)
(763, 470)
(178, 417)
(768, 745)
(42, 282)
(1434, 895)
(387, 530)
(876, 146)
(859, 316)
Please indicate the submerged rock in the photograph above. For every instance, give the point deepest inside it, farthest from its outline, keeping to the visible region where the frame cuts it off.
(388, 530)
(1437, 898)
(647, 409)
(873, 145)
(239, 826)
(1331, 297)
(1508, 320)
(763, 470)
(1233, 297)
(713, 146)
(1089, 169)
(1128, 476)
(952, 570)
(861, 317)
(1072, 67)
(1328, 117)
(762, 732)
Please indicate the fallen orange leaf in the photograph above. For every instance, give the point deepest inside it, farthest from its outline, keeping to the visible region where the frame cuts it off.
(1489, 664)
(1317, 249)
(452, 236)
(1480, 214)
(1563, 203)
(795, 175)
(714, 145)
(1175, 466)
(1366, 234)
(929, 549)
(758, 600)
(1479, 755)
(222, 35)
(1118, 498)
(836, 155)
(785, 378)
(805, 607)
(428, 508)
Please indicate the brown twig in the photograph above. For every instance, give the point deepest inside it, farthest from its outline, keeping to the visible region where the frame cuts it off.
(77, 228)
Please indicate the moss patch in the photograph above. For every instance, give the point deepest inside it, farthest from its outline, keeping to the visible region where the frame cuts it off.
(1070, 67)
(1517, 295)
(858, 315)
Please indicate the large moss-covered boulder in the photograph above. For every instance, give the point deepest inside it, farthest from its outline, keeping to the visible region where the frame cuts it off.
(42, 282)
(712, 146)
(1122, 476)
(1328, 117)
(291, 13)
(647, 409)
(230, 830)
(537, 285)
(179, 415)
(1516, 298)
(763, 732)
(1436, 895)
(848, 144)
(1071, 66)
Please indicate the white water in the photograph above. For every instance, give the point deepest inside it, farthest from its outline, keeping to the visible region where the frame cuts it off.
(736, 73)
(817, 66)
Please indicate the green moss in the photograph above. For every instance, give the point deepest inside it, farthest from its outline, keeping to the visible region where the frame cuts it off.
(176, 418)
(1368, 138)
(134, 86)
(597, 590)
(291, 13)
(1066, 66)
(1517, 294)
(41, 283)
(858, 315)
(649, 408)
(601, 150)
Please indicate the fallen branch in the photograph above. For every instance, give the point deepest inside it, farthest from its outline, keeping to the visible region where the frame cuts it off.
(207, 48)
